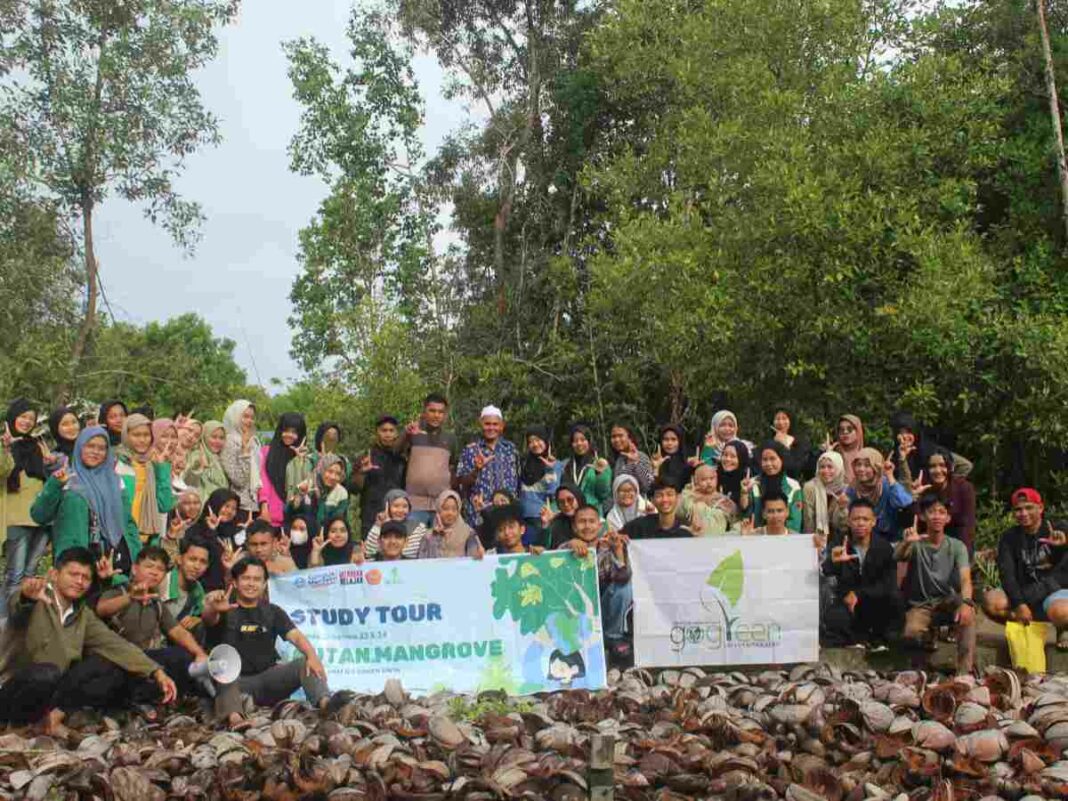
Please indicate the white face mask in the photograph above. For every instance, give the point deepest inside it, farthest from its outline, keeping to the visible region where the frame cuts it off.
(298, 536)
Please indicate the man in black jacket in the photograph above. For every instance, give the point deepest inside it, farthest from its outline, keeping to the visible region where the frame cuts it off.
(1033, 562)
(378, 471)
(867, 606)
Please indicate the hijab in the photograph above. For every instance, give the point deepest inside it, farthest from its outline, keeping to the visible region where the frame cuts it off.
(333, 555)
(850, 455)
(533, 468)
(99, 486)
(835, 487)
(579, 463)
(208, 462)
(161, 424)
(148, 514)
(64, 446)
(874, 490)
(279, 454)
(410, 524)
(718, 418)
(214, 577)
(675, 469)
(25, 448)
(772, 484)
(626, 513)
(730, 481)
(454, 540)
(114, 438)
(320, 434)
(232, 423)
(338, 493)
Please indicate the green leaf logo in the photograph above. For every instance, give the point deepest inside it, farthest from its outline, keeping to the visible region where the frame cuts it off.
(729, 577)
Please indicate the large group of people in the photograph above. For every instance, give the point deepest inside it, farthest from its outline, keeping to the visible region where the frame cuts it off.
(164, 531)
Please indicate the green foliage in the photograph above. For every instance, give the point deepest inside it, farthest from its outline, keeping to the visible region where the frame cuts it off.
(472, 709)
(175, 366)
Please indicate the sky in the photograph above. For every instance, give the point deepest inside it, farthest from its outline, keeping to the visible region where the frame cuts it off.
(241, 272)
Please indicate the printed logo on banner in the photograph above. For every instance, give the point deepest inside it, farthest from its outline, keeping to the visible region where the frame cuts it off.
(722, 594)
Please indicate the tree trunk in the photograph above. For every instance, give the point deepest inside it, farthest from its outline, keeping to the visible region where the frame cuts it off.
(1055, 114)
(85, 330)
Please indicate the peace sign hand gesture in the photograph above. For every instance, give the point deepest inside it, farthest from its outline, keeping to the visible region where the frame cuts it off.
(302, 449)
(61, 475)
(545, 514)
(282, 545)
(105, 567)
(319, 542)
(658, 459)
(918, 487)
(212, 519)
(47, 455)
(889, 467)
(1056, 538)
(481, 460)
(231, 557)
(6, 439)
(548, 459)
(747, 482)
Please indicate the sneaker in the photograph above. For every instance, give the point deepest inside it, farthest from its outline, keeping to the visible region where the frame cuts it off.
(859, 646)
(878, 648)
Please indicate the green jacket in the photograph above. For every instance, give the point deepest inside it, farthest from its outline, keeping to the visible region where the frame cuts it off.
(68, 514)
(595, 487)
(169, 590)
(164, 493)
(36, 635)
(15, 506)
(323, 511)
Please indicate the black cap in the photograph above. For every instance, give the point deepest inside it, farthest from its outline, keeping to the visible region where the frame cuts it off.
(386, 418)
(391, 528)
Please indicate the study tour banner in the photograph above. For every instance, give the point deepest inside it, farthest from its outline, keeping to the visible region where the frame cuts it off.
(725, 601)
(522, 624)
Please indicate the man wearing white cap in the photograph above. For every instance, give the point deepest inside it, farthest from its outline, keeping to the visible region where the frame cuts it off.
(488, 464)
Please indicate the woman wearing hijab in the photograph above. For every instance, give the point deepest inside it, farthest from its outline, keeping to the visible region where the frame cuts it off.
(850, 442)
(628, 460)
(956, 492)
(732, 469)
(240, 455)
(396, 506)
(287, 443)
(328, 440)
(217, 527)
(326, 499)
(628, 503)
(774, 481)
(112, 415)
(873, 479)
(592, 475)
(23, 469)
(203, 465)
(722, 431)
(826, 508)
(144, 469)
(670, 462)
(451, 536)
(334, 545)
(378, 471)
(89, 506)
(64, 426)
(539, 475)
(556, 524)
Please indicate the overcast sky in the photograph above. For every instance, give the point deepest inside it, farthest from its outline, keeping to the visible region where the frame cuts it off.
(241, 273)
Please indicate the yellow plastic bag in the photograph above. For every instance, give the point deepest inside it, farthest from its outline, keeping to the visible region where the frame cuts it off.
(1027, 646)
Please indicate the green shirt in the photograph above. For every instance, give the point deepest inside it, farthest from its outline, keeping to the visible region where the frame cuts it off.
(935, 572)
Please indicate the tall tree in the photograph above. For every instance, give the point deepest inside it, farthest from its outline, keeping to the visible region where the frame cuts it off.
(103, 101)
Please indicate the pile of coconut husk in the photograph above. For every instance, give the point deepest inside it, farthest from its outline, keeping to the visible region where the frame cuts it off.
(803, 734)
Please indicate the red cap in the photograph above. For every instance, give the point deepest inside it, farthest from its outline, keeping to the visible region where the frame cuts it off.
(1026, 495)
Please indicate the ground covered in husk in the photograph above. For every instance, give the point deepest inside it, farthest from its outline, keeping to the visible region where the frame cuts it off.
(804, 734)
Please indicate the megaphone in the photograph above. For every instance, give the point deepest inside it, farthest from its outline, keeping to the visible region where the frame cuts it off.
(223, 666)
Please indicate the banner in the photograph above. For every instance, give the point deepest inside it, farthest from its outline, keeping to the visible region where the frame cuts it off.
(725, 601)
(523, 624)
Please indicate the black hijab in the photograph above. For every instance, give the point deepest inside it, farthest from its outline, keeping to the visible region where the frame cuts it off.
(279, 454)
(730, 481)
(25, 449)
(675, 469)
(899, 421)
(587, 458)
(214, 577)
(534, 468)
(320, 433)
(64, 446)
(772, 485)
(102, 418)
(332, 555)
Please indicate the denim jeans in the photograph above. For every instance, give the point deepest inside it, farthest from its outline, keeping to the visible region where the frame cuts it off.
(25, 547)
(616, 600)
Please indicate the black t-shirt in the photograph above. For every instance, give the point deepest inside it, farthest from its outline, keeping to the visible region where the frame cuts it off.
(253, 631)
(647, 527)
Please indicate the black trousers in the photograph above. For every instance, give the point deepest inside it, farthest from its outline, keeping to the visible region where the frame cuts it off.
(869, 621)
(37, 688)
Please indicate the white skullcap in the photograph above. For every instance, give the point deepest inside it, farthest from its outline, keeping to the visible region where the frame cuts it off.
(491, 411)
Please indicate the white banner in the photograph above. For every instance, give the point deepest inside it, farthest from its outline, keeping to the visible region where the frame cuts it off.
(523, 624)
(725, 601)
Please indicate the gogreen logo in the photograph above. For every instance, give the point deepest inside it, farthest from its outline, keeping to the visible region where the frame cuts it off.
(723, 587)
